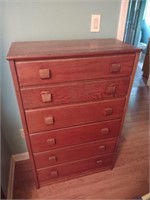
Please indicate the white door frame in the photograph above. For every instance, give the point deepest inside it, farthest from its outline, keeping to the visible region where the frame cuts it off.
(122, 19)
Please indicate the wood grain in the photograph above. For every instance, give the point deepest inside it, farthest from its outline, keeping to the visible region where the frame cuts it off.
(71, 75)
(74, 168)
(60, 94)
(22, 113)
(75, 114)
(66, 48)
(58, 156)
(130, 177)
(74, 135)
(64, 70)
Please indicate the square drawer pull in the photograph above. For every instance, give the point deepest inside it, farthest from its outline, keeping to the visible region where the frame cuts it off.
(51, 141)
(108, 111)
(99, 162)
(44, 73)
(102, 147)
(46, 96)
(54, 173)
(115, 68)
(52, 159)
(49, 120)
(111, 89)
(105, 131)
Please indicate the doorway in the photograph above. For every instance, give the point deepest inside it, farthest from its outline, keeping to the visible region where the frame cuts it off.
(133, 22)
(137, 29)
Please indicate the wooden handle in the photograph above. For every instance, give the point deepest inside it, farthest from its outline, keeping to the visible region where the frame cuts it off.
(46, 96)
(102, 147)
(99, 162)
(49, 120)
(44, 73)
(105, 131)
(108, 111)
(51, 141)
(111, 89)
(54, 173)
(52, 159)
(115, 68)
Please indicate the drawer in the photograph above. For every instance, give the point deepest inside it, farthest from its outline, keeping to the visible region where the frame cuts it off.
(35, 97)
(75, 135)
(77, 114)
(55, 71)
(55, 157)
(68, 170)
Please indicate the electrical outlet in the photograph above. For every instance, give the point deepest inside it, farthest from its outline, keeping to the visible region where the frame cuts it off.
(22, 133)
(95, 23)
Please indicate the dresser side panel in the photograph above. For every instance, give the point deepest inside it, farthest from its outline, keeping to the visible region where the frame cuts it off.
(126, 103)
(22, 114)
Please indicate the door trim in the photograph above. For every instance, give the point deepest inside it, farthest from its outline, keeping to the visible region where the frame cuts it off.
(122, 19)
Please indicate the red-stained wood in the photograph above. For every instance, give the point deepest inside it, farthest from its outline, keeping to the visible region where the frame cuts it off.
(67, 48)
(73, 93)
(74, 135)
(58, 156)
(57, 172)
(126, 103)
(71, 115)
(133, 146)
(77, 92)
(74, 69)
(22, 113)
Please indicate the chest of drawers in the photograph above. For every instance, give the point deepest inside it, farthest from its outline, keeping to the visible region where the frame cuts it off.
(72, 97)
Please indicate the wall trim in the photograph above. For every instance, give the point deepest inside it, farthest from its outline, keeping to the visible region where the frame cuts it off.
(146, 197)
(20, 156)
(122, 19)
(11, 179)
(14, 159)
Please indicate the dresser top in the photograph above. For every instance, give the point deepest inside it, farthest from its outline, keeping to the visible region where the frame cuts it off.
(67, 49)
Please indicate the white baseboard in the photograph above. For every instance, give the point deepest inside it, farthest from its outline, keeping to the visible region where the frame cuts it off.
(146, 197)
(11, 179)
(14, 158)
(20, 156)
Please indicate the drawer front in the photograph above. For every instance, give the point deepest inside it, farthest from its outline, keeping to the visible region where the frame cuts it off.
(87, 150)
(73, 136)
(53, 71)
(67, 116)
(59, 172)
(72, 93)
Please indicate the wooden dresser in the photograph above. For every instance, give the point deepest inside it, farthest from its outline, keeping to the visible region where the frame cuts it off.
(72, 97)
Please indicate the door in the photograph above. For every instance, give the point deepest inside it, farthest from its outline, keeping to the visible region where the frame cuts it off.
(133, 23)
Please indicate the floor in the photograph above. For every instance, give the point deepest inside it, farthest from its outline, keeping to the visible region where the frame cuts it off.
(130, 177)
